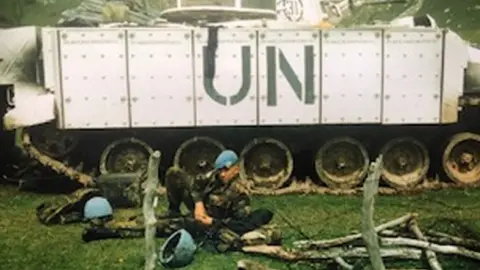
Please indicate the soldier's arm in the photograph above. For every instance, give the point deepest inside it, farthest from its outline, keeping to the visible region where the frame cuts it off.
(200, 213)
(241, 206)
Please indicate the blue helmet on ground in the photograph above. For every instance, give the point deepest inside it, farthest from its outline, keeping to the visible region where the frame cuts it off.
(97, 207)
(178, 250)
(226, 159)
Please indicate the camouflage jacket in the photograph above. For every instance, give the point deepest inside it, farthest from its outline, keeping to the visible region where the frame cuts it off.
(222, 201)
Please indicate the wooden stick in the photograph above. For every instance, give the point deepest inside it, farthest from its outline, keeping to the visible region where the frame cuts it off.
(440, 238)
(446, 239)
(149, 211)
(369, 235)
(446, 249)
(279, 252)
(431, 256)
(316, 244)
(343, 263)
(251, 265)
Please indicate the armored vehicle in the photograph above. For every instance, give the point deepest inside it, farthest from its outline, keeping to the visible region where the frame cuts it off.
(297, 98)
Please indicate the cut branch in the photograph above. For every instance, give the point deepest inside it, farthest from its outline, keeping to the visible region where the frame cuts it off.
(369, 235)
(431, 256)
(399, 241)
(328, 254)
(316, 244)
(149, 211)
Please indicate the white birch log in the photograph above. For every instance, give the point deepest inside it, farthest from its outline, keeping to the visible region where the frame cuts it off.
(369, 235)
(149, 211)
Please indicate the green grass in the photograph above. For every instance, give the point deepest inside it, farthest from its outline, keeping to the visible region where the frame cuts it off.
(27, 244)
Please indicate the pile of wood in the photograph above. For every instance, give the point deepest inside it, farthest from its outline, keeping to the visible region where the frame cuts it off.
(399, 239)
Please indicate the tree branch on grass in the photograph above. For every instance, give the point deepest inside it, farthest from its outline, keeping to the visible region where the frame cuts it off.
(317, 244)
(431, 256)
(279, 252)
(149, 211)
(446, 249)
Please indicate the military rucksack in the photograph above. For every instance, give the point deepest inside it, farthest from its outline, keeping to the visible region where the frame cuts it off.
(66, 209)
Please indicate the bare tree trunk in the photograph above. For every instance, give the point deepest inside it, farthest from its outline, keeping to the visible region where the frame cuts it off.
(149, 211)
(369, 235)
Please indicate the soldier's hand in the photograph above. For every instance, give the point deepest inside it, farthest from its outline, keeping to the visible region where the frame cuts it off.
(206, 220)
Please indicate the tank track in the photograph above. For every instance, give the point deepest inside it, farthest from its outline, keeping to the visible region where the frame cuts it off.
(295, 187)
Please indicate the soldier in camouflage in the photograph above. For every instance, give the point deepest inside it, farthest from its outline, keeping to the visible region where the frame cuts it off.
(220, 204)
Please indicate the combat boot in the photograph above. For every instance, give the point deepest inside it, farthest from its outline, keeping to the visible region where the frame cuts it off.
(265, 235)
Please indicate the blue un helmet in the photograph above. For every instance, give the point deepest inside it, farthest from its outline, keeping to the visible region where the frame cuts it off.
(226, 159)
(178, 250)
(97, 207)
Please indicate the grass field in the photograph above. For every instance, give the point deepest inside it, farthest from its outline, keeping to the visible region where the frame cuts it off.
(26, 244)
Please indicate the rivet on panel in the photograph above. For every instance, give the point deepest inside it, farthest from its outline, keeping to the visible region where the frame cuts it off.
(387, 36)
(65, 56)
(435, 119)
(152, 77)
(279, 34)
(124, 123)
(263, 97)
(262, 120)
(65, 78)
(170, 97)
(404, 55)
(342, 119)
(376, 118)
(360, 54)
(169, 77)
(252, 121)
(135, 123)
(297, 120)
(120, 56)
(387, 96)
(200, 98)
(103, 77)
(419, 119)
(83, 34)
(150, 34)
(386, 120)
(87, 124)
(325, 75)
(262, 36)
(154, 123)
(200, 121)
(217, 121)
(314, 35)
(251, 36)
(104, 98)
(152, 97)
(235, 121)
(105, 124)
(64, 36)
(280, 96)
(68, 100)
(403, 119)
(314, 120)
(376, 96)
(359, 118)
(377, 35)
(198, 36)
(343, 54)
(132, 35)
(404, 76)
(420, 75)
(150, 55)
(280, 120)
(84, 56)
(325, 96)
(187, 36)
(252, 98)
(169, 55)
(420, 95)
(133, 77)
(403, 96)
(171, 122)
(85, 77)
(122, 77)
(325, 35)
(438, 36)
(123, 99)
(435, 96)
(120, 35)
(134, 99)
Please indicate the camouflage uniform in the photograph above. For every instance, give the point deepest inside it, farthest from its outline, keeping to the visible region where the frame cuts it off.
(228, 203)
